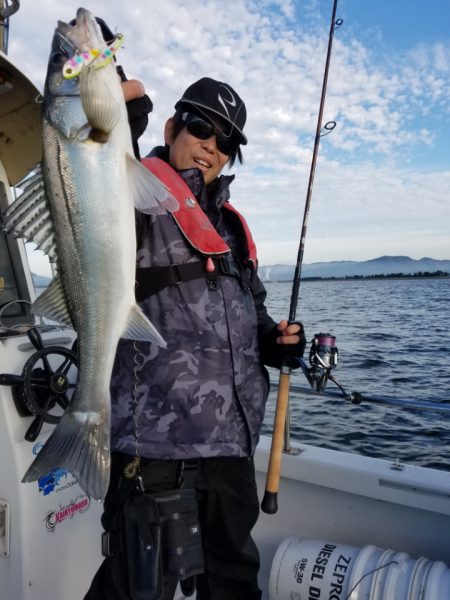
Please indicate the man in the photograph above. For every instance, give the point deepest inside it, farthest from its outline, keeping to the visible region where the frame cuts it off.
(182, 499)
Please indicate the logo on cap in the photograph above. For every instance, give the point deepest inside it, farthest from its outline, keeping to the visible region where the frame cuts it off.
(224, 101)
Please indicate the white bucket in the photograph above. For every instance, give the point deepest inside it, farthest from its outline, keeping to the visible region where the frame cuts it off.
(306, 569)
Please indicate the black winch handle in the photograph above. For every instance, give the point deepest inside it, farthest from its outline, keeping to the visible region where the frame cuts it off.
(9, 379)
(34, 429)
(35, 338)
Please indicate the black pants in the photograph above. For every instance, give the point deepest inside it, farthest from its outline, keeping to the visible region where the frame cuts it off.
(228, 509)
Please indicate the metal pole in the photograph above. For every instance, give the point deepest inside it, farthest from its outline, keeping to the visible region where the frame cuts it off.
(6, 10)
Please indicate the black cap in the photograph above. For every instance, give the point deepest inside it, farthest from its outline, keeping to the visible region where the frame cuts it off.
(108, 35)
(220, 99)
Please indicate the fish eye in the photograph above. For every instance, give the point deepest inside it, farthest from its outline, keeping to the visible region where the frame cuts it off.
(58, 58)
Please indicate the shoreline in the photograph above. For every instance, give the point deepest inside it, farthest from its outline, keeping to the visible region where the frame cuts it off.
(360, 278)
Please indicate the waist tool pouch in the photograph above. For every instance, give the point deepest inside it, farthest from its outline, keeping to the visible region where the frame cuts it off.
(162, 539)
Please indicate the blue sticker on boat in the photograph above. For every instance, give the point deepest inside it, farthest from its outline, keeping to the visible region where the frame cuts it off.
(48, 483)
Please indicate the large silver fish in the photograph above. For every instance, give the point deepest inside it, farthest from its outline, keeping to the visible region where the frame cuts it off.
(79, 208)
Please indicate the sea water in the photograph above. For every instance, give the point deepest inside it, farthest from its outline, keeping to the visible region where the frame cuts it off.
(393, 337)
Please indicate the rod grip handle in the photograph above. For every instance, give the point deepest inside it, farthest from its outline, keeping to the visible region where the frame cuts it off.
(269, 504)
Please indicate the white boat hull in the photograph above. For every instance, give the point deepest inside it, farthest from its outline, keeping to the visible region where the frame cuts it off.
(350, 499)
(51, 539)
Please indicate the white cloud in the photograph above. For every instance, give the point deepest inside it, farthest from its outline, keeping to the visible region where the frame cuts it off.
(376, 190)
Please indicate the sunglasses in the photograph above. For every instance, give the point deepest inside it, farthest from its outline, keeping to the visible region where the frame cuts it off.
(203, 130)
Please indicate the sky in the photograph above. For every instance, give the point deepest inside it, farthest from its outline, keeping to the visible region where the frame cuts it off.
(382, 178)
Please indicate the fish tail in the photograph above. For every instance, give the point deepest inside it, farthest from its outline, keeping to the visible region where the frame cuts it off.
(80, 444)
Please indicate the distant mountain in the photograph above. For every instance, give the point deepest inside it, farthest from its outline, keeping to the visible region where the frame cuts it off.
(384, 265)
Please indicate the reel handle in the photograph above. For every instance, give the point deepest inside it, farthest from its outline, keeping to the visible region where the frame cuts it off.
(356, 398)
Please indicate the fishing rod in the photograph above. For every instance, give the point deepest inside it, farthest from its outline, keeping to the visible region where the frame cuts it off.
(269, 503)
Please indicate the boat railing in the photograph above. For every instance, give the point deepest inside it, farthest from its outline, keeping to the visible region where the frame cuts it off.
(422, 405)
(402, 403)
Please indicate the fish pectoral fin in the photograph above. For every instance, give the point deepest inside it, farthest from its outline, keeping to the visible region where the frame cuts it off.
(29, 216)
(101, 108)
(52, 303)
(150, 195)
(139, 328)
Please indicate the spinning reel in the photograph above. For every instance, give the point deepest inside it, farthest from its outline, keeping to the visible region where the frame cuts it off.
(323, 357)
(46, 385)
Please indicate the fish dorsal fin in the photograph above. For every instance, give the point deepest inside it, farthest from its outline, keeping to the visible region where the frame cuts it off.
(139, 328)
(52, 303)
(29, 216)
(150, 195)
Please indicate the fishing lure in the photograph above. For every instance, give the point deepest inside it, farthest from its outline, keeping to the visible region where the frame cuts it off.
(97, 58)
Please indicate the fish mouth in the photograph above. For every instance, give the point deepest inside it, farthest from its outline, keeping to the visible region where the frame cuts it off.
(83, 33)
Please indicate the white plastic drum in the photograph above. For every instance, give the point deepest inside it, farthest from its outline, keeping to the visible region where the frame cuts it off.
(306, 569)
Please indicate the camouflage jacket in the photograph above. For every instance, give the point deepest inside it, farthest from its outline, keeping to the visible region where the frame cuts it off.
(205, 394)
